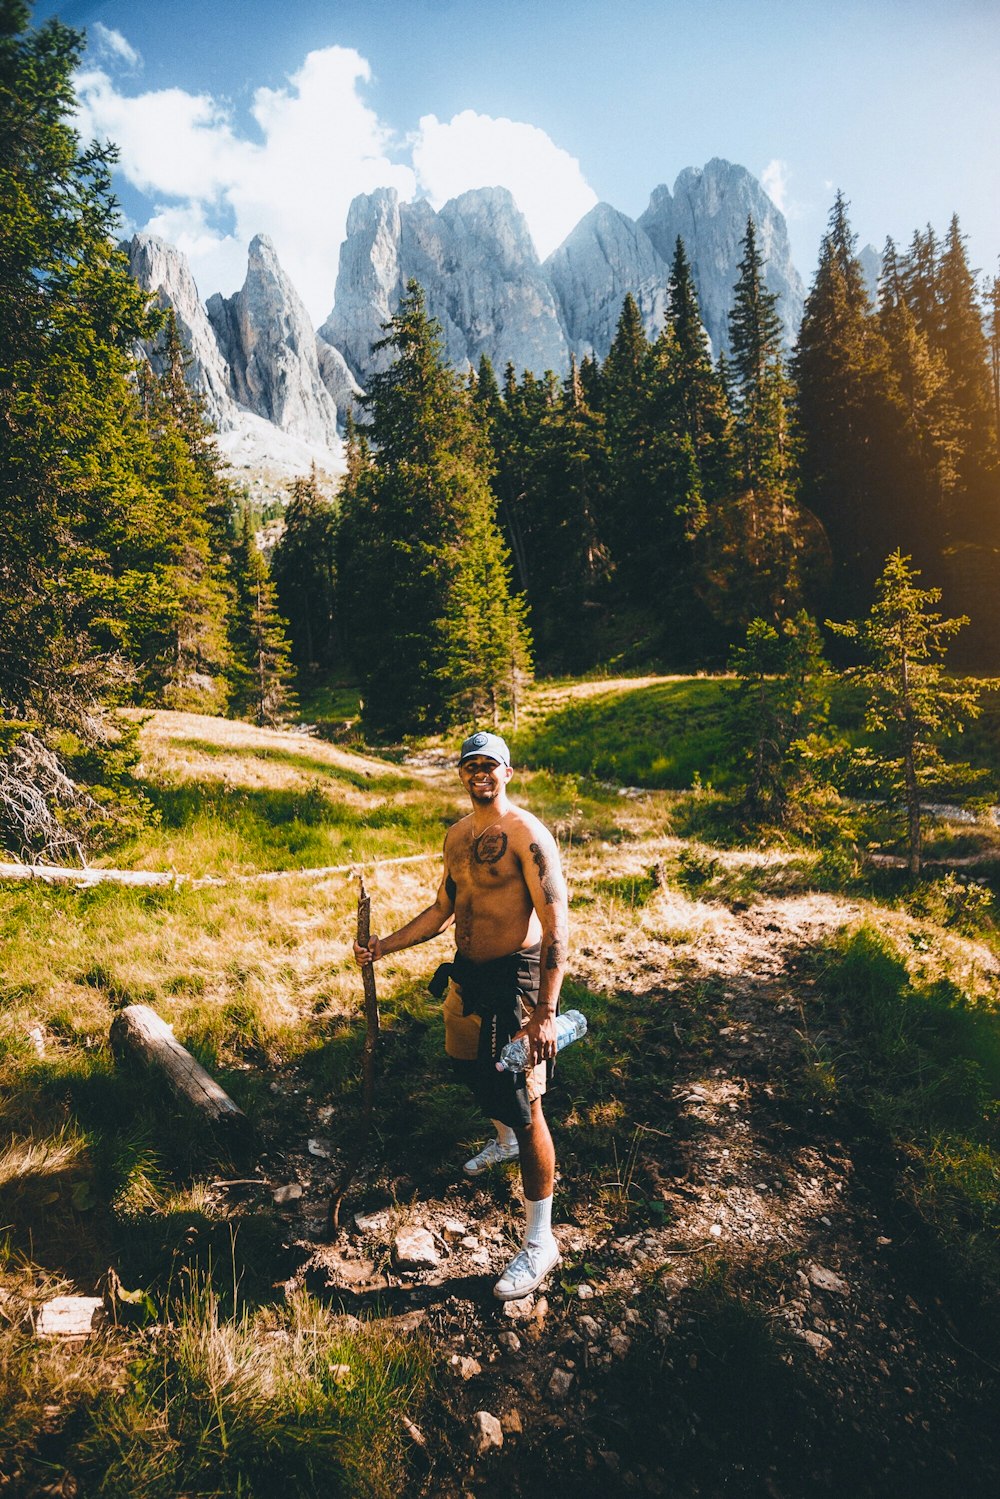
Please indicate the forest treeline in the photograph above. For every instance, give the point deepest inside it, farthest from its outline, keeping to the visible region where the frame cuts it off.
(651, 506)
(647, 510)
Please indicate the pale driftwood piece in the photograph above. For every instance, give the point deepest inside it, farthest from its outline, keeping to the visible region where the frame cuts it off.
(58, 874)
(138, 1033)
(70, 1317)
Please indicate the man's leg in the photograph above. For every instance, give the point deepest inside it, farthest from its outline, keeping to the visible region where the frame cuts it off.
(540, 1252)
(538, 1156)
(503, 1148)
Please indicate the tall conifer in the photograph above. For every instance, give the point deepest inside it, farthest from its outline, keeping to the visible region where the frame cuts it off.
(423, 566)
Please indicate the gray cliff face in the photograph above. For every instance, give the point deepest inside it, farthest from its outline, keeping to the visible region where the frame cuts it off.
(161, 269)
(272, 352)
(708, 209)
(369, 280)
(477, 265)
(605, 257)
(336, 376)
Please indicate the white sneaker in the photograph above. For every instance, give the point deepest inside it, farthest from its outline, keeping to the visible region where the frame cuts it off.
(491, 1154)
(526, 1271)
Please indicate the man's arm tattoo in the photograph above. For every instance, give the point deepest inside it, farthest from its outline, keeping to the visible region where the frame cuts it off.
(556, 955)
(450, 887)
(548, 890)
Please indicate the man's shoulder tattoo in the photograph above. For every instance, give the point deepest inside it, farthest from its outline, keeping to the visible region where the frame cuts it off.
(545, 878)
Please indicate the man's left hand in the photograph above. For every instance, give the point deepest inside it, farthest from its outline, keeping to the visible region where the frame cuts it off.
(540, 1031)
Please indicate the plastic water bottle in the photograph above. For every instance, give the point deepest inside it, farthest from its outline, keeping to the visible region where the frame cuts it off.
(570, 1026)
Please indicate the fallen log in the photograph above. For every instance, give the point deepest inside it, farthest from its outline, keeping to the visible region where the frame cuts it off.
(83, 877)
(57, 874)
(139, 1034)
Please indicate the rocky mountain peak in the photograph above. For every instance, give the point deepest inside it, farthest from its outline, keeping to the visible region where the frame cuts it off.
(605, 257)
(268, 339)
(477, 265)
(161, 269)
(708, 209)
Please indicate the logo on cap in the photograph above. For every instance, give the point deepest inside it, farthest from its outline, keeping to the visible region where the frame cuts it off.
(478, 740)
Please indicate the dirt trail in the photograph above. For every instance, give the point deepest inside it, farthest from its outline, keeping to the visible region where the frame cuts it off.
(754, 1173)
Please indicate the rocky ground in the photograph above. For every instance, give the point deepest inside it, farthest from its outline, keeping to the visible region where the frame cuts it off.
(773, 1327)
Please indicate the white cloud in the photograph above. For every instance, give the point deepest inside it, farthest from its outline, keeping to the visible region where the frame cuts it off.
(170, 142)
(475, 150)
(112, 45)
(316, 146)
(321, 145)
(774, 180)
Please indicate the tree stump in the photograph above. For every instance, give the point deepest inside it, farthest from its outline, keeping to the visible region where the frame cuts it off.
(139, 1034)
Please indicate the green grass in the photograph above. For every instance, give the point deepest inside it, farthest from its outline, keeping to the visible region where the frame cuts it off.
(923, 1061)
(210, 827)
(291, 1399)
(329, 704)
(668, 735)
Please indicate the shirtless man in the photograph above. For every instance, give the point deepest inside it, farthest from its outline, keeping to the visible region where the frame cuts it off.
(503, 889)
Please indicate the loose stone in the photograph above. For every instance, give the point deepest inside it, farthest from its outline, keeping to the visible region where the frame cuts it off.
(414, 1249)
(69, 1317)
(487, 1433)
(828, 1280)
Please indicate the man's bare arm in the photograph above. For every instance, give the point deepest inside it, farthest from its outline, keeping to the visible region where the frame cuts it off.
(431, 922)
(547, 888)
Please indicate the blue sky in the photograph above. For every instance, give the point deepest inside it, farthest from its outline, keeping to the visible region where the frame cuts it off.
(237, 117)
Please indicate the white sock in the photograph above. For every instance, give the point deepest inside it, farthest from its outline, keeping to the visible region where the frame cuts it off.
(538, 1222)
(506, 1136)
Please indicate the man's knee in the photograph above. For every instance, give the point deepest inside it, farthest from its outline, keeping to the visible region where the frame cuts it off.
(536, 1128)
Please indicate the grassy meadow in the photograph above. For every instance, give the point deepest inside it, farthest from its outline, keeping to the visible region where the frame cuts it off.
(215, 1381)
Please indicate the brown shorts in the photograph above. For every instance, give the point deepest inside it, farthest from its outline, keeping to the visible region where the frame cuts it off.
(461, 1038)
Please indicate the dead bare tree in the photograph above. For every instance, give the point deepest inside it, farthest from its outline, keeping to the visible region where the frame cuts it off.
(34, 791)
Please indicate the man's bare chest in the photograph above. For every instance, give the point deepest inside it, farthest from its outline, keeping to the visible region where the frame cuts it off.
(486, 864)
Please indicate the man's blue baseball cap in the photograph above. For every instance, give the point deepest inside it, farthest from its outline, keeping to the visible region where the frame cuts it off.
(490, 745)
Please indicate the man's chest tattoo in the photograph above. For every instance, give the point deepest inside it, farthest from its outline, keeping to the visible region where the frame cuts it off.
(489, 847)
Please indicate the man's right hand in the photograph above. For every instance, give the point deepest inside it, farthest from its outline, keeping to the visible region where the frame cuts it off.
(369, 954)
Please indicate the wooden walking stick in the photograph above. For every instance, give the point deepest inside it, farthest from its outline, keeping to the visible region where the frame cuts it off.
(368, 1058)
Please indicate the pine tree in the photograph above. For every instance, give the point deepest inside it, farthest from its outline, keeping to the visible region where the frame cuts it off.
(422, 562)
(966, 354)
(756, 537)
(911, 701)
(926, 466)
(71, 487)
(779, 703)
(849, 416)
(761, 391)
(262, 672)
(703, 403)
(304, 569)
(167, 579)
(69, 313)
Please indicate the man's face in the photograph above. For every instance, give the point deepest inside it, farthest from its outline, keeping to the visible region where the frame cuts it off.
(484, 778)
